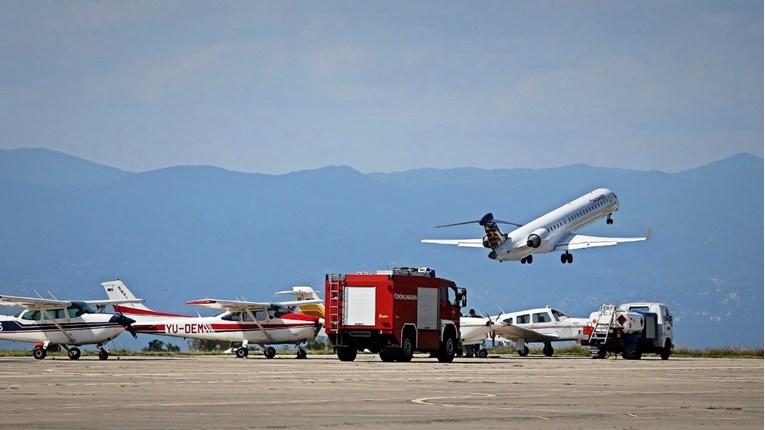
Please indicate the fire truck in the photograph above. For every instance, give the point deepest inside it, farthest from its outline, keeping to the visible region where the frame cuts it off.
(631, 329)
(393, 313)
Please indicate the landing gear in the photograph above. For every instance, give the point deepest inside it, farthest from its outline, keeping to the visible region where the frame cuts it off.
(301, 354)
(528, 259)
(74, 353)
(39, 353)
(242, 352)
(103, 354)
(548, 349)
(523, 352)
(566, 258)
(483, 353)
(609, 221)
(269, 352)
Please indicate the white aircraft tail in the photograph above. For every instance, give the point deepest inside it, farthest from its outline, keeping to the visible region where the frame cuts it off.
(303, 292)
(117, 290)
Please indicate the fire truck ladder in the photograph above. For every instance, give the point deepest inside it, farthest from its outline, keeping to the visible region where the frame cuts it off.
(335, 305)
(603, 326)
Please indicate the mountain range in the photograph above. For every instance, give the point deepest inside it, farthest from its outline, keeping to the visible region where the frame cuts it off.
(188, 232)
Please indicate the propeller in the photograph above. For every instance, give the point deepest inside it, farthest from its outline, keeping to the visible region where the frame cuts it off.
(125, 322)
(487, 219)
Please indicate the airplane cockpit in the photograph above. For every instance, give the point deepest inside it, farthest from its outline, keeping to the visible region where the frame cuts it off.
(74, 310)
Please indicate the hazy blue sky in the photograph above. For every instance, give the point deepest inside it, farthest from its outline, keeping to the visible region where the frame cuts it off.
(384, 86)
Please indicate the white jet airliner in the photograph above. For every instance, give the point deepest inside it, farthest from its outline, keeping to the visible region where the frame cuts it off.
(552, 232)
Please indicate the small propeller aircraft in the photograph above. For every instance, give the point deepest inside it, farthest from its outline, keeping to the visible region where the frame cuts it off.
(552, 232)
(69, 324)
(261, 323)
(475, 330)
(545, 325)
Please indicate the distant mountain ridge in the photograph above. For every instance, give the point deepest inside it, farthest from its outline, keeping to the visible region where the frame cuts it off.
(182, 233)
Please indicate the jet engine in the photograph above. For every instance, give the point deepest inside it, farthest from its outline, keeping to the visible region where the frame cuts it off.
(536, 237)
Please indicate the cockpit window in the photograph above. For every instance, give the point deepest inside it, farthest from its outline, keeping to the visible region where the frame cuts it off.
(541, 317)
(508, 320)
(278, 311)
(558, 315)
(79, 308)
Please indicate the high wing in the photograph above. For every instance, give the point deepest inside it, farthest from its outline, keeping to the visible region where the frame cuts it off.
(580, 241)
(241, 305)
(470, 243)
(36, 302)
(32, 302)
(514, 332)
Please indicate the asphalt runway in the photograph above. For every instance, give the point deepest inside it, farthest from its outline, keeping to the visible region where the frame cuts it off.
(323, 393)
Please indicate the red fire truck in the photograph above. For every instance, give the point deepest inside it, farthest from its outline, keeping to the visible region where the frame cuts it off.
(393, 313)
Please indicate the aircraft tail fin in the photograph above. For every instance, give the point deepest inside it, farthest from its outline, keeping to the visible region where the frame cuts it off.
(303, 292)
(117, 290)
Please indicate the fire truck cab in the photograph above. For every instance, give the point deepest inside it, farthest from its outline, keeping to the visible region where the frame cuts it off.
(393, 313)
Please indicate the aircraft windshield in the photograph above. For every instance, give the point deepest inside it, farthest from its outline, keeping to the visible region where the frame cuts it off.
(558, 315)
(79, 308)
(278, 311)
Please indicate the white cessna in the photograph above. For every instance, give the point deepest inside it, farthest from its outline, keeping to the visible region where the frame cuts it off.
(50, 322)
(541, 325)
(552, 232)
(261, 323)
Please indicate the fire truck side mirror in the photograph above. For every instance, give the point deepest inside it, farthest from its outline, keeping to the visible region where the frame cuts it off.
(461, 298)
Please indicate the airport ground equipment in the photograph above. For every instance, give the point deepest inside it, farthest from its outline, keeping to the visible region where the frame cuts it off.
(631, 329)
(393, 313)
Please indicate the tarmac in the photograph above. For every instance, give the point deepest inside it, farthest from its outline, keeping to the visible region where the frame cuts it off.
(321, 392)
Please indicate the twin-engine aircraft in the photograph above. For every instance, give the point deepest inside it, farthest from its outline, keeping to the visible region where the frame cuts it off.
(552, 232)
(261, 323)
(69, 324)
(545, 325)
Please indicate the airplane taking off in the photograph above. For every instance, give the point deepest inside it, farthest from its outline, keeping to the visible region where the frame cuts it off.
(552, 232)
(261, 323)
(65, 323)
(541, 325)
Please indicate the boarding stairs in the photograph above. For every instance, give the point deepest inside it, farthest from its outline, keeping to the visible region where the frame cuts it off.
(606, 320)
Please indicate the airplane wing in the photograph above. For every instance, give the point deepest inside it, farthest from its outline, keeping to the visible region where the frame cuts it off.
(580, 241)
(242, 305)
(31, 302)
(106, 302)
(513, 332)
(470, 243)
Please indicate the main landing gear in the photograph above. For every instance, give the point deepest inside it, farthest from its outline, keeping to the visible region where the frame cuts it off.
(528, 259)
(566, 258)
(609, 221)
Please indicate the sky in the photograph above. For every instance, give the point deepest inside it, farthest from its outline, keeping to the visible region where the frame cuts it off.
(275, 87)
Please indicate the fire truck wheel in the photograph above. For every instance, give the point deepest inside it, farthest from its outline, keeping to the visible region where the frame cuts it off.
(387, 356)
(524, 352)
(448, 347)
(39, 353)
(602, 352)
(241, 352)
(269, 352)
(407, 349)
(346, 353)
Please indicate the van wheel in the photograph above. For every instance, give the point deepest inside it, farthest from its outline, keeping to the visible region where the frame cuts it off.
(667, 350)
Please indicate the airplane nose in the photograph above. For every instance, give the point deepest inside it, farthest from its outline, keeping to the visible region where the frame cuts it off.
(121, 320)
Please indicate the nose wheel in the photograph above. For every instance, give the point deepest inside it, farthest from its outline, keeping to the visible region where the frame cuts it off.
(567, 258)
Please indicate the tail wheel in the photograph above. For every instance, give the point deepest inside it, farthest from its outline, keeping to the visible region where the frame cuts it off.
(39, 353)
(74, 353)
(241, 352)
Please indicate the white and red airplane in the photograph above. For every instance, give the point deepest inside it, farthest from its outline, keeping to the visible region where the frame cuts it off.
(552, 232)
(50, 322)
(545, 325)
(260, 323)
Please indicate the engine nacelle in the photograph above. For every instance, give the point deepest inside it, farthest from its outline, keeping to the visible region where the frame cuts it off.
(536, 237)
